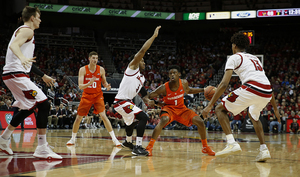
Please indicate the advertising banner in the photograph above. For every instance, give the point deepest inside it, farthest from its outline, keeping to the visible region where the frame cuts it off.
(243, 14)
(6, 116)
(217, 15)
(104, 11)
(278, 12)
(194, 16)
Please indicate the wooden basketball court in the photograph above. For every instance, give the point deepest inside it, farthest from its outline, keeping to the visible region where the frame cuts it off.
(176, 153)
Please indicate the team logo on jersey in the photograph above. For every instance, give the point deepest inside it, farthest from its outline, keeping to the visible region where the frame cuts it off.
(128, 109)
(30, 94)
(232, 97)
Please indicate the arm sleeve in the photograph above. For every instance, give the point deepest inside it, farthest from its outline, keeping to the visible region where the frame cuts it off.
(36, 70)
(143, 92)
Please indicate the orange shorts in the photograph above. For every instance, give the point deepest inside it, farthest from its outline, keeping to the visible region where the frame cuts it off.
(182, 115)
(89, 99)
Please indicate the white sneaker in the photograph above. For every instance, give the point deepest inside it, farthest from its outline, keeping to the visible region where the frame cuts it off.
(263, 155)
(117, 143)
(229, 150)
(45, 152)
(71, 142)
(4, 146)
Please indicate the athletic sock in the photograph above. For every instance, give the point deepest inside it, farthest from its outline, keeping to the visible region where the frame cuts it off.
(41, 140)
(74, 135)
(151, 143)
(139, 141)
(230, 138)
(7, 133)
(112, 135)
(204, 142)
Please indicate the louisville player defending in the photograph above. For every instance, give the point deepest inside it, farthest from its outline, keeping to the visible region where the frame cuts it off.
(173, 108)
(18, 63)
(254, 93)
(132, 84)
(90, 78)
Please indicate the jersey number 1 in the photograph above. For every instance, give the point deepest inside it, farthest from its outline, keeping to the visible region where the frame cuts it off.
(175, 102)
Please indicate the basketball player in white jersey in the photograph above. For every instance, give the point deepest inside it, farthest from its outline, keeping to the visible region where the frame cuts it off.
(90, 78)
(132, 84)
(255, 93)
(18, 63)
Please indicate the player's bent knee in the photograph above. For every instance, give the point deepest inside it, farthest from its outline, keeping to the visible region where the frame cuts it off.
(164, 120)
(142, 116)
(220, 109)
(42, 115)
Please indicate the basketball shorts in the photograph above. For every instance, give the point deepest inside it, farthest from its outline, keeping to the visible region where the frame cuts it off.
(182, 115)
(89, 99)
(127, 110)
(25, 92)
(240, 99)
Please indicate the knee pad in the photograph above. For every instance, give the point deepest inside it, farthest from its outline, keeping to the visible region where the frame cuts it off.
(19, 117)
(42, 115)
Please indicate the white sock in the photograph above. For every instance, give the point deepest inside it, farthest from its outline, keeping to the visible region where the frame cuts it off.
(6, 134)
(74, 135)
(230, 138)
(139, 141)
(129, 139)
(41, 140)
(263, 146)
(112, 135)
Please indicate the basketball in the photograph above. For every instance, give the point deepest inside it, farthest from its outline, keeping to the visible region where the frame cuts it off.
(209, 92)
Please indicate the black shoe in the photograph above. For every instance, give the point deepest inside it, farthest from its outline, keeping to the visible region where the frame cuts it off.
(128, 145)
(140, 151)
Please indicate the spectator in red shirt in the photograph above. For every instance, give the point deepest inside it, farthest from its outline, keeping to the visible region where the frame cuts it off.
(237, 119)
(293, 115)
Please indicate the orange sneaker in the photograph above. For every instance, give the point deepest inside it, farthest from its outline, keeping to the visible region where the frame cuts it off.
(208, 150)
(149, 149)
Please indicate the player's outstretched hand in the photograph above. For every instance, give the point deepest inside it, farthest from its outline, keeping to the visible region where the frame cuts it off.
(156, 31)
(48, 80)
(108, 87)
(206, 111)
(27, 62)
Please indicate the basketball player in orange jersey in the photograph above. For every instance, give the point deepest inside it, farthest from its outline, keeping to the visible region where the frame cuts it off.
(173, 108)
(90, 78)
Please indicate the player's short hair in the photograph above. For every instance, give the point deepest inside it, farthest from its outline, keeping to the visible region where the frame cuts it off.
(92, 53)
(29, 11)
(240, 40)
(174, 67)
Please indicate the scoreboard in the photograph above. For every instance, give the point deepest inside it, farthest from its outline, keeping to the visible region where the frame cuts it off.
(278, 12)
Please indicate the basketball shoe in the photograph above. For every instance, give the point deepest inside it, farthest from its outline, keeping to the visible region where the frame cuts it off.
(71, 142)
(117, 143)
(127, 144)
(231, 148)
(263, 155)
(208, 150)
(139, 151)
(4, 146)
(45, 152)
(149, 149)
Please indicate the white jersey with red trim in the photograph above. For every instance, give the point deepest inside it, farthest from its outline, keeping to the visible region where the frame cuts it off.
(12, 62)
(248, 67)
(131, 84)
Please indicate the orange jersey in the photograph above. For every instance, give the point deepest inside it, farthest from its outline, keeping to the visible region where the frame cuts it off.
(174, 99)
(96, 86)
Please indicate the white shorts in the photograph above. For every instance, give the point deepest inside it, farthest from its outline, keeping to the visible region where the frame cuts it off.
(127, 110)
(25, 92)
(240, 99)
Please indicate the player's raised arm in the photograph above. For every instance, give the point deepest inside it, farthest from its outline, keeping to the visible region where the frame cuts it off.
(134, 64)
(103, 80)
(189, 90)
(81, 74)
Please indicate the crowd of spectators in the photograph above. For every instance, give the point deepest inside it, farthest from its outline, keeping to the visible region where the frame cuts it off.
(199, 58)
